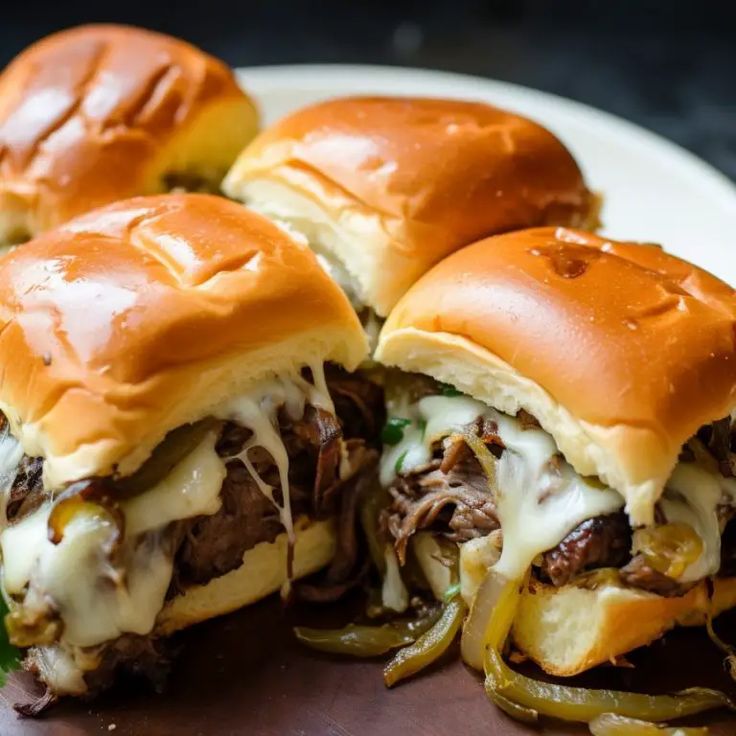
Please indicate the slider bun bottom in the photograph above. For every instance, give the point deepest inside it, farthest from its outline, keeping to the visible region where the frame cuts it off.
(568, 630)
(263, 572)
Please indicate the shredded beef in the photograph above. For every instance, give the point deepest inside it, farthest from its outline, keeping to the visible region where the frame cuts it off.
(458, 503)
(214, 545)
(603, 541)
(358, 403)
(327, 478)
(38, 707)
(450, 495)
(27, 493)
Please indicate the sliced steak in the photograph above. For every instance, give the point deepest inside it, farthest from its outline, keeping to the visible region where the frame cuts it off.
(603, 541)
(214, 545)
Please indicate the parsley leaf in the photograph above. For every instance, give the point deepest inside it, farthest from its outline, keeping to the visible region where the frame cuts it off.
(393, 431)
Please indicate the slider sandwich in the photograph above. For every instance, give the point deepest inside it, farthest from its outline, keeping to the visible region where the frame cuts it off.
(179, 436)
(102, 112)
(384, 188)
(561, 456)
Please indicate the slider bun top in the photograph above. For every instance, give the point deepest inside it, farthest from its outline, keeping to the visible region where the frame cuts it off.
(620, 350)
(146, 315)
(102, 112)
(389, 186)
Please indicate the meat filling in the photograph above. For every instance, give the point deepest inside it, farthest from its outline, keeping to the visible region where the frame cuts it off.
(450, 495)
(330, 463)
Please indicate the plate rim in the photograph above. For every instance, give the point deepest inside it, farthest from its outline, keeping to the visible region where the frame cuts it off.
(319, 77)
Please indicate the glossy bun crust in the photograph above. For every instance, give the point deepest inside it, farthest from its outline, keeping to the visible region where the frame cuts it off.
(388, 186)
(621, 350)
(103, 112)
(146, 315)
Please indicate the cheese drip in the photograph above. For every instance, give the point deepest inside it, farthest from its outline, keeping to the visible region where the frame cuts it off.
(540, 500)
(692, 497)
(95, 600)
(258, 412)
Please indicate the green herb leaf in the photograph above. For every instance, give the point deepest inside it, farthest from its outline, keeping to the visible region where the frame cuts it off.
(393, 431)
(400, 461)
(447, 390)
(10, 656)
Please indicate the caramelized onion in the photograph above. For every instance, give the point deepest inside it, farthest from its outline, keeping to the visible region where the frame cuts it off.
(475, 631)
(369, 510)
(484, 456)
(668, 548)
(86, 499)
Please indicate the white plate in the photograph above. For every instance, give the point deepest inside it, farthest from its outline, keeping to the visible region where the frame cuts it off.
(654, 190)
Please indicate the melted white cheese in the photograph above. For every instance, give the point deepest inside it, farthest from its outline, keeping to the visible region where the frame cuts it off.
(191, 489)
(11, 453)
(95, 601)
(539, 499)
(692, 497)
(59, 670)
(258, 412)
(539, 502)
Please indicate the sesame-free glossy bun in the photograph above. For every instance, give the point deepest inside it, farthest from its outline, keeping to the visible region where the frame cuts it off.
(146, 315)
(102, 112)
(571, 629)
(388, 186)
(620, 350)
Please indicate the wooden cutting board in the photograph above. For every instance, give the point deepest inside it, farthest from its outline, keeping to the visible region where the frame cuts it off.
(245, 674)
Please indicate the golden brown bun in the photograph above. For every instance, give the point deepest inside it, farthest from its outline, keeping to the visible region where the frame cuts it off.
(146, 315)
(388, 186)
(102, 112)
(620, 350)
(569, 630)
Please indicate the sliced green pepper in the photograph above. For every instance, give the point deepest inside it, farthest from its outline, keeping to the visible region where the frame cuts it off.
(609, 724)
(429, 647)
(168, 454)
(366, 641)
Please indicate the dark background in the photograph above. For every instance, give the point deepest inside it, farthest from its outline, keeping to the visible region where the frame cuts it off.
(669, 65)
